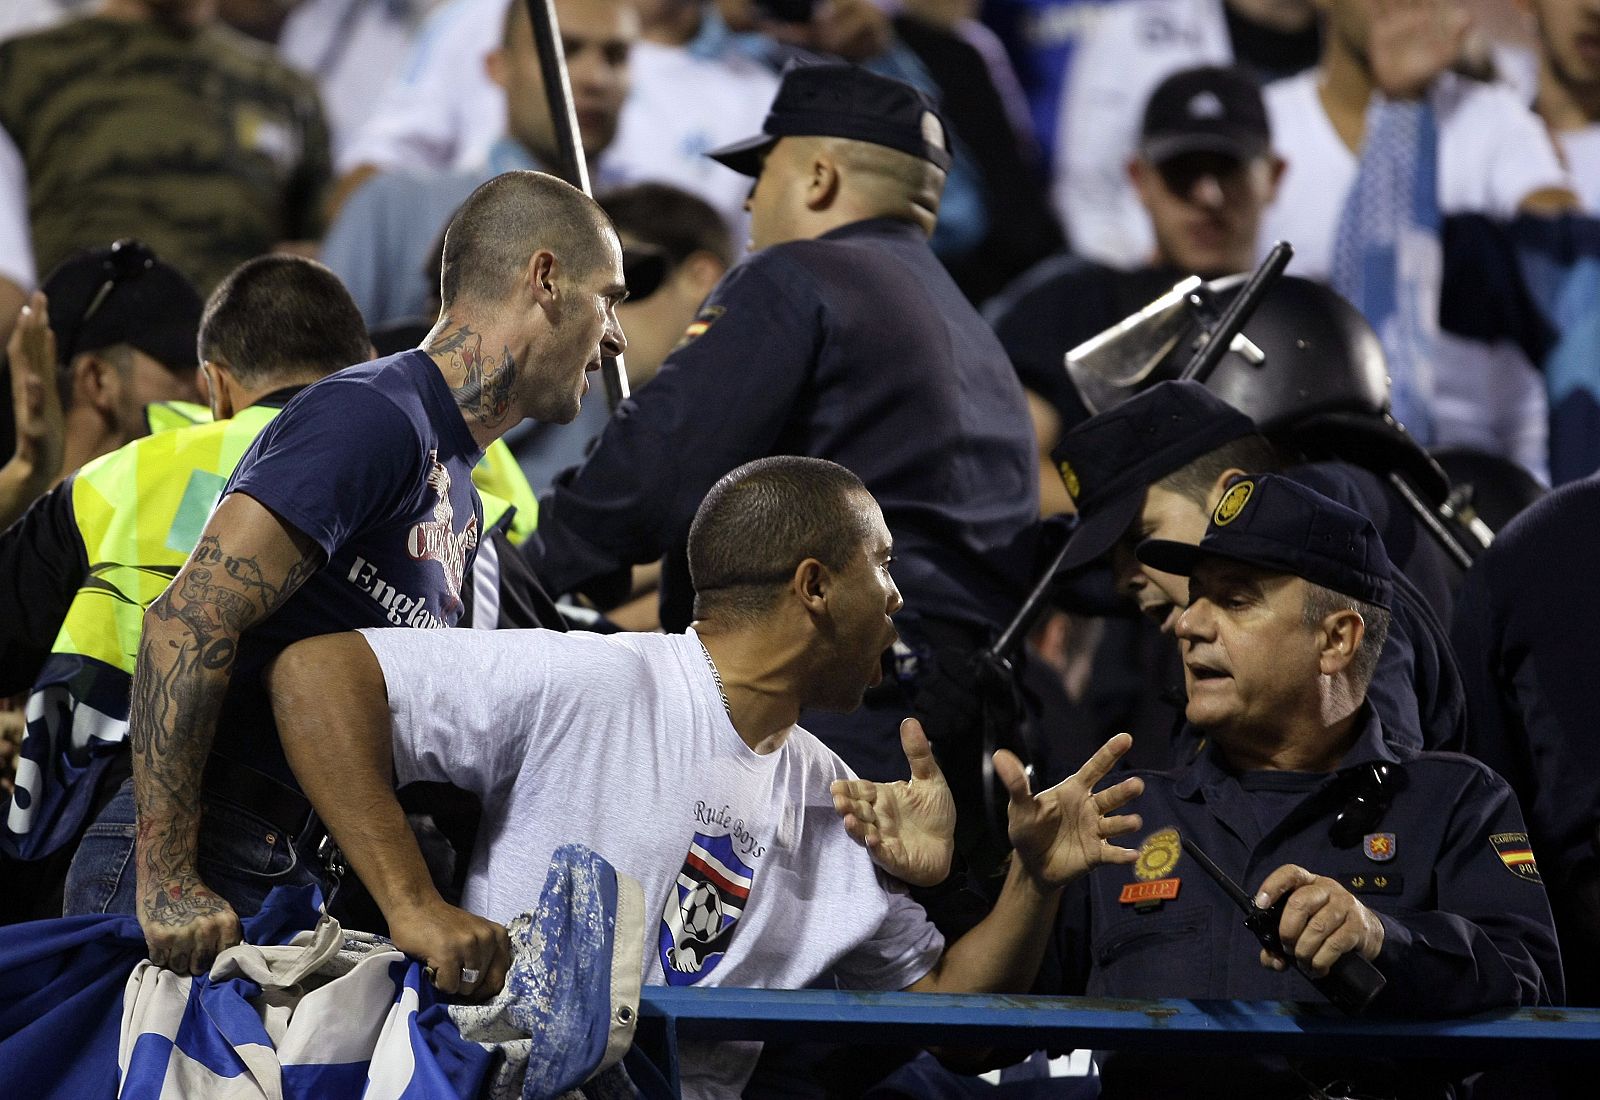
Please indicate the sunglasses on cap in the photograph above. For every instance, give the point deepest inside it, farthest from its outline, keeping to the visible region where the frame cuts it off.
(126, 261)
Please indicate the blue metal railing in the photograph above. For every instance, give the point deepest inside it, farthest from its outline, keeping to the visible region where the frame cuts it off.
(1215, 1027)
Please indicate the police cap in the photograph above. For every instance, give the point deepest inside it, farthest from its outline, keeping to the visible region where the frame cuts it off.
(1280, 525)
(846, 101)
(1109, 460)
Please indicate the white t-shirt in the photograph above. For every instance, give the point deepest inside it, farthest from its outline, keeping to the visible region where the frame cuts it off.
(1582, 151)
(1134, 46)
(620, 742)
(16, 238)
(1493, 153)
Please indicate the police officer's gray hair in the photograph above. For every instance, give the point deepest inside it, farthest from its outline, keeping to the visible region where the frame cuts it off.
(1322, 602)
(760, 521)
(504, 222)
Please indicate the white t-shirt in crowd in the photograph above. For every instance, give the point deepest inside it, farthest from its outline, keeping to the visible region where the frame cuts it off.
(620, 742)
(16, 238)
(1493, 152)
(1134, 46)
(1581, 148)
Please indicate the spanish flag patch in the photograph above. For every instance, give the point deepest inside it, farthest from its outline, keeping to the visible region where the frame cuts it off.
(1515, 852)
(697, 328)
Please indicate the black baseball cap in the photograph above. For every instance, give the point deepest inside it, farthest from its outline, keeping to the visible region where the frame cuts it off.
(1212, 109)
(1108, 461)
(846, 101)
(124, 294)
(1280, 525)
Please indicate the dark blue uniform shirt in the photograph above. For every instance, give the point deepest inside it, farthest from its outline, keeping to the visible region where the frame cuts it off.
(855, 347)
(1467, 926)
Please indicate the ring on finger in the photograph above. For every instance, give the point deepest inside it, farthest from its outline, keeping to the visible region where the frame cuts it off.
(470, 975)
(431, 974)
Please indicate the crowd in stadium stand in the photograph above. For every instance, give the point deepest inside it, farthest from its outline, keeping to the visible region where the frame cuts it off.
(831, 500)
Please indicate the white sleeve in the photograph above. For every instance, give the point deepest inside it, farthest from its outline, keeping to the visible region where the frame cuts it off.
(463, 703)
(16, 242)
(440, 91)
(905, 948)
(1493, 150)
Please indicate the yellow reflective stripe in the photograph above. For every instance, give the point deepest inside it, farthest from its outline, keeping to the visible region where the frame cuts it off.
(497, 473)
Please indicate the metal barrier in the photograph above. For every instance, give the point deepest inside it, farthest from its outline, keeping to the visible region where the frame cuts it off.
(669, 1015)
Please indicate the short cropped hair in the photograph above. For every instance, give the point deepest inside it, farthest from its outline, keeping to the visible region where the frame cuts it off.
(759, 522)
(1196, 480)
(508, 219)
(282, 317)
(1322, 602)
(671, 219)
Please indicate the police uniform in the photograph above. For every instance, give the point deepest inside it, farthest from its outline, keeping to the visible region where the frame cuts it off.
(1433, 843)
(1109, 461)
(1524, 631)
(857, 347)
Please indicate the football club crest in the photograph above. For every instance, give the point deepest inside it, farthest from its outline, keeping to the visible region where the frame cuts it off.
(1379, 847)
(1515, 852)
(702, 909)
(1158, 855)
(1232, 503)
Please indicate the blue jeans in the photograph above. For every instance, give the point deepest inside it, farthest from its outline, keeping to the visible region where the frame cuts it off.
(242, 857)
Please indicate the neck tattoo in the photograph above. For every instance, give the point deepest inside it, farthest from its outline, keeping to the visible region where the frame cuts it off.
(717, 676)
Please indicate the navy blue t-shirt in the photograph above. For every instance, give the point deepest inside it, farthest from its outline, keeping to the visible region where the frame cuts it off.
(375, 465)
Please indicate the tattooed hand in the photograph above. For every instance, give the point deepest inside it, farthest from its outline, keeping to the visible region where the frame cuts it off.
(185, 925)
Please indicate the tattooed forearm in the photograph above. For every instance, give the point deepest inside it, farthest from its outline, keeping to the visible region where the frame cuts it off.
(485, 387)
(185, 660)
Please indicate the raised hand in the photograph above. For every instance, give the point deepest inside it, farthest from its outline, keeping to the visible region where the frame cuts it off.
(1063, 832)
(1410, 42)
(907, 827)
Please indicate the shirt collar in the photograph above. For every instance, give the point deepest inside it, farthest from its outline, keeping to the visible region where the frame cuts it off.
(1209, 768)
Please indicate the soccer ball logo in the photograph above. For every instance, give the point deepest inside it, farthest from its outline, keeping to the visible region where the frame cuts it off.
(702, 912)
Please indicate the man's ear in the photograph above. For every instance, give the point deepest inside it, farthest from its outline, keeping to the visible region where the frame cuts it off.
(221, 386)
(541, 277)
(1342, 632)
(823, 186)
(700, 272)
(812, 582)
(96, 382)
(494, 64)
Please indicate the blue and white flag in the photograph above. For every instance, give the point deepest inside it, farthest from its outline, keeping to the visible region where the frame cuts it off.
(305, 1010)
(1387, 253)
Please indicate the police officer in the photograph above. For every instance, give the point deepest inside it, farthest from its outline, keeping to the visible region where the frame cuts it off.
(1156, 466)
(841, 338)
(1416, 862)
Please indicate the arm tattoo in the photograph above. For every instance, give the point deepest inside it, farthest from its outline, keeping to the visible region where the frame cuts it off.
(185, 659)
(485, 390)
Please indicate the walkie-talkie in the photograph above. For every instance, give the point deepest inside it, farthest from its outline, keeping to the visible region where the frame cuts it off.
(1350, 983)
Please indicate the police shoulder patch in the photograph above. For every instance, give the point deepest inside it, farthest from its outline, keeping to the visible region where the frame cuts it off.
(697, 328)
(1232, 502)
(1158, 855)
(1517, 855)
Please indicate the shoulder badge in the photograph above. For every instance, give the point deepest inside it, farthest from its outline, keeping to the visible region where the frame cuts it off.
(1515, 852)
(1158, 855)
(1379, 847)
(697, 328)
(1232, 503)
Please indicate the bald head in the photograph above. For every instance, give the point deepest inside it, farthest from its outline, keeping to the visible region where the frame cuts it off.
(507, 220)
(810, 185)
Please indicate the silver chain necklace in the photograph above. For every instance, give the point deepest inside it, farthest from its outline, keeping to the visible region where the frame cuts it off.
(717, 676)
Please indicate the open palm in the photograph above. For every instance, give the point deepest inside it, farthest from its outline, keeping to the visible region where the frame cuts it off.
(908, 827)
(1063, 832)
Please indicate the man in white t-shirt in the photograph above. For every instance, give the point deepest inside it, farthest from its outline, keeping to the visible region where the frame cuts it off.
(677, 757)
(1493, 157)
(1569, 87)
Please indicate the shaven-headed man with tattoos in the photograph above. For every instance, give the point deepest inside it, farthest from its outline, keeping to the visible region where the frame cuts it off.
(354, 508)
